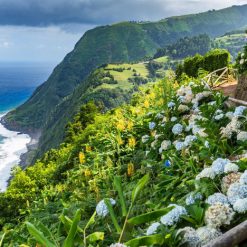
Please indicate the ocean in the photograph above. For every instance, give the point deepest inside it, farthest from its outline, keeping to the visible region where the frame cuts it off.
(17, 83)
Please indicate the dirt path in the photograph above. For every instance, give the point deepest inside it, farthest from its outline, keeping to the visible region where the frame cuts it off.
(228, 89)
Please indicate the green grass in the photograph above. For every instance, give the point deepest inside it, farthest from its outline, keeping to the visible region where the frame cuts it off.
(161, 59)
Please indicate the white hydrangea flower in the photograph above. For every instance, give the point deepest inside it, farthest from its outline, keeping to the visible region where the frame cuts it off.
(229, 114)
(242, 136)
(183, 108)
(207, 234)
(192, 197)
(165, 145)
(212, 103)
(206, 173)
(240, 206)
(217, 198)
(243, 178)
(159, 116)
(206, 144)
(236, 191)
(239, 110)
(190, 237)
(173, 216)
(218, 215)
(118, 245)
(177, 129)
(218, 165)
(231, 128)
(171, 104)
(179, 145)
(230, 179)
(230, 167)
(101, 208)
(145, 138)
(242, 55)
(153, 144)
(174, 119)
(219, 117)
(241, 62)
(153, 228)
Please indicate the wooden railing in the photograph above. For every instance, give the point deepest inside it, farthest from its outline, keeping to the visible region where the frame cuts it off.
(220, 76)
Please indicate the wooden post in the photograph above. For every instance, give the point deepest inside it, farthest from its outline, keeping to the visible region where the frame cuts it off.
(233, 237)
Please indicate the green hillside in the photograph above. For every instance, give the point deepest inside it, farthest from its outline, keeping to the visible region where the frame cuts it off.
(118, 43)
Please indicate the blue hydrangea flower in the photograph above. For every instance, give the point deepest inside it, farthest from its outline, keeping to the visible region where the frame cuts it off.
(101, 208)
(179, 145)
(236, 191)
(192, 198)
(239, 111)
(189, 139)
(206, 144)
(171, 104)
(152, 125)
(218, 165)
(173, 216)
(167, 163)
(243, 178)
(153, 228)
(174, 119)
(217, 198)
(177, 129)
(240, 206)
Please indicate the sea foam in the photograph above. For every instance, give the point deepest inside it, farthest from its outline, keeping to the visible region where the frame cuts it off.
(12, 146)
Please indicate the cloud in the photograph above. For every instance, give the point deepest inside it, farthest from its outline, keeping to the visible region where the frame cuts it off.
(97, 12)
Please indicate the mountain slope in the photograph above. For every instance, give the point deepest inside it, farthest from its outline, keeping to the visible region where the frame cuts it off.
(123, 42)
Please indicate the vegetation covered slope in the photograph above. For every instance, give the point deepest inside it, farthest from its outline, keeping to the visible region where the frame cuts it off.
(163, 161)
(123, 42)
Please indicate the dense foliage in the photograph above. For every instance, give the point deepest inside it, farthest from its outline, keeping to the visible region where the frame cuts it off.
(123, 42)
(211, 61)
(187, 46)
(148, 173)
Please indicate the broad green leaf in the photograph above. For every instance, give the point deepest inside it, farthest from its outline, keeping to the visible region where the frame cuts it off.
(91, 221)
(38, 235)
(69, 241)
(118, 187)
(146, 241)
(113, 216)
(140, 185)
(96, 236)
(68, 222)
(2, 238)
(148, 217)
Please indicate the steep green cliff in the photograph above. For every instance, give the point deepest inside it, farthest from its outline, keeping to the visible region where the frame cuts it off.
(123, 42)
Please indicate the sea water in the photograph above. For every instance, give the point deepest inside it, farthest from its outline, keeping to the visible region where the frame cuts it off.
(17, 83)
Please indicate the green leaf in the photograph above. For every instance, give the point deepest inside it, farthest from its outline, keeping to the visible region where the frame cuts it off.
(2, 238)
(69, 241)
(113, 216)
(148, 217)
(140, 185)
(38, 235)
(146, 241)
(118, 187)
(96, 236)
(68, 222)
(91, 221)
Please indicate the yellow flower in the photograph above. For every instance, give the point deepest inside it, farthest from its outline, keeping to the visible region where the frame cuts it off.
(131, 169)
(146, 104)
(82, 157)
(132, 142)
(130, 125)
(119, 140)
(121, 125)
(87, 173)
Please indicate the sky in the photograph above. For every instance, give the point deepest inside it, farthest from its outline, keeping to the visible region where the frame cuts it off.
(46, 30)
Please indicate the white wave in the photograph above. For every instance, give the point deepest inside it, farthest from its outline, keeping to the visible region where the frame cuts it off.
(13, 145)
